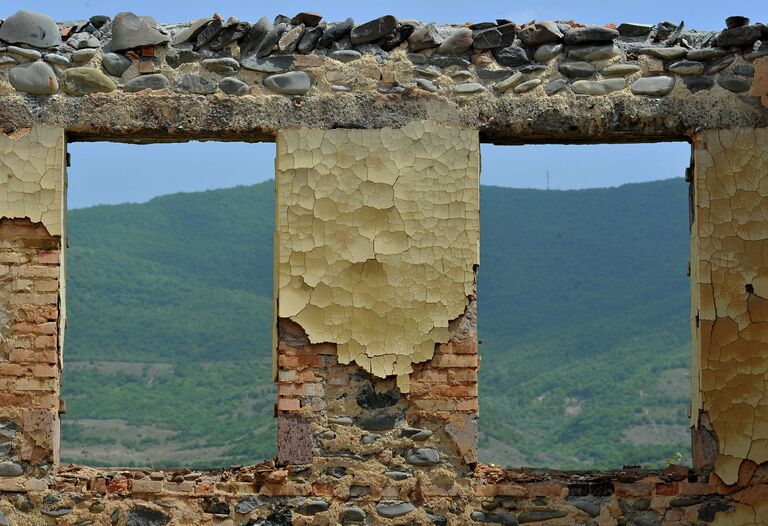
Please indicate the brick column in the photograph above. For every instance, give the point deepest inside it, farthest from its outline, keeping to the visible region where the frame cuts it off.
(376, 251)
(32, 181)
(729, 274)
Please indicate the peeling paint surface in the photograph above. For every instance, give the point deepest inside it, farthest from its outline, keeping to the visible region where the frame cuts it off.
(730, 293)
(378, 235)
(32, 176)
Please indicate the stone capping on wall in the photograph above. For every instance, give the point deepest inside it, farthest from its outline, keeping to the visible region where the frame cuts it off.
(100, 73)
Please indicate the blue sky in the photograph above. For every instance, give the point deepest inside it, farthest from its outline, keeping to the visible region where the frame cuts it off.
(106, 173)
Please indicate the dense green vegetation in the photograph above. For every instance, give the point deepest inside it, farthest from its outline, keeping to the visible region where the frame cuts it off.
(583, 309)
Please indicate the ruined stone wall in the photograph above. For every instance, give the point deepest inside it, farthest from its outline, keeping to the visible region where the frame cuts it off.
(378, 128)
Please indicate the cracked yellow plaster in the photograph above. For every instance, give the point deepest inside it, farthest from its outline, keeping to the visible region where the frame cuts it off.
(729, 272)
(377, 239)
(32, 176)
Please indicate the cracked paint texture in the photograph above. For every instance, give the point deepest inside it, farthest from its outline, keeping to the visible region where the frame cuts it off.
(729, 270)
(32, 176)
(377, 239)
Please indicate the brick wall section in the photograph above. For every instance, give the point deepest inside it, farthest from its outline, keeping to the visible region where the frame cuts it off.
(29, 350)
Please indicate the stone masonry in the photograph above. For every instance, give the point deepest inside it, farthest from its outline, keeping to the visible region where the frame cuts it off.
(378, 126)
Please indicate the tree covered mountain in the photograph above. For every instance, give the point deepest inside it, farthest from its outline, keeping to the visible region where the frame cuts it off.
(582, 307)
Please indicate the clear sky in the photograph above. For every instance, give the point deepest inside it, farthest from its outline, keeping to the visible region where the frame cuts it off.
(107, 173)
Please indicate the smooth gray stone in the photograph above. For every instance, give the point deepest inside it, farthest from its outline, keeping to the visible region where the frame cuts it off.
(398, 475)
(423, 456)
(290, 39)
(31, 54)
(175, 57)
(443, 61)
(115, 64)
(334, 33)
(246, 504)
(508, 33)
(494, 75)
(429, 71)
(587, 506)
(28, 27)
(7, 61)
(59, 512)
(527, 86)
(759, 53)
(154, 81)
(394, 509)
(291, 83)
(352, 514)
(82, 56)
(576, 69)
(189, 83)
(270, 40)
(743, 36)
(598, 87)
(345, 55)
(646, 518)
(373, 30)
(468, 88)
(426, 85)
(511, 56)
(396, 37)
(417, 58)
(35, 78)
(58, 60)
(340, 88)
(687, 68)
(211, 31)
(629, 29)
(276, 64)
(308, 18)
(462, 75)
(665, 53)
(129, 32)
(593, 53)
(696, 84)
(488, 39)
(83, 41)
(84, 81)
(223, 66)
(191, 32)
(503, 518)
(341, 420)
(139, 516)
(653, 86)
(619, 70)
(312, 507)
(309, 39)
(719, 65)
(231, 33)
(10, 469)
(370, 438)
(425, 37)
(744, 69)
(410, 432)
(547, 52)
(590, 34)
(4, 521)
(734, 83)
(540, 515)
(458, 42)
(255, 36)
(233, 86)
(736, 21)
(510, 82)
(706, 54)
(544, 32)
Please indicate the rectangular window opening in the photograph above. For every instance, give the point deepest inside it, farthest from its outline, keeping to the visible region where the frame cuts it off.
(167, 356)
(584, 306)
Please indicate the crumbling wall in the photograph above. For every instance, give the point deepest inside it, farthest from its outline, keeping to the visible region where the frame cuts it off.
(730, 283)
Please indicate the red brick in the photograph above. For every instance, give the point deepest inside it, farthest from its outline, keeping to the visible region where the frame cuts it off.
(119, 486)
(12, 369)
(48, 258)
(46, 342)
(465, 347)
(462, 375)
(36, 271)
(26, 356)
(35, 328)
(455, 360)
(288, 404)
(46, 371)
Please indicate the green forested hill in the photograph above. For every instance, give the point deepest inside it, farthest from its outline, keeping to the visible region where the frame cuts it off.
(583, 313)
